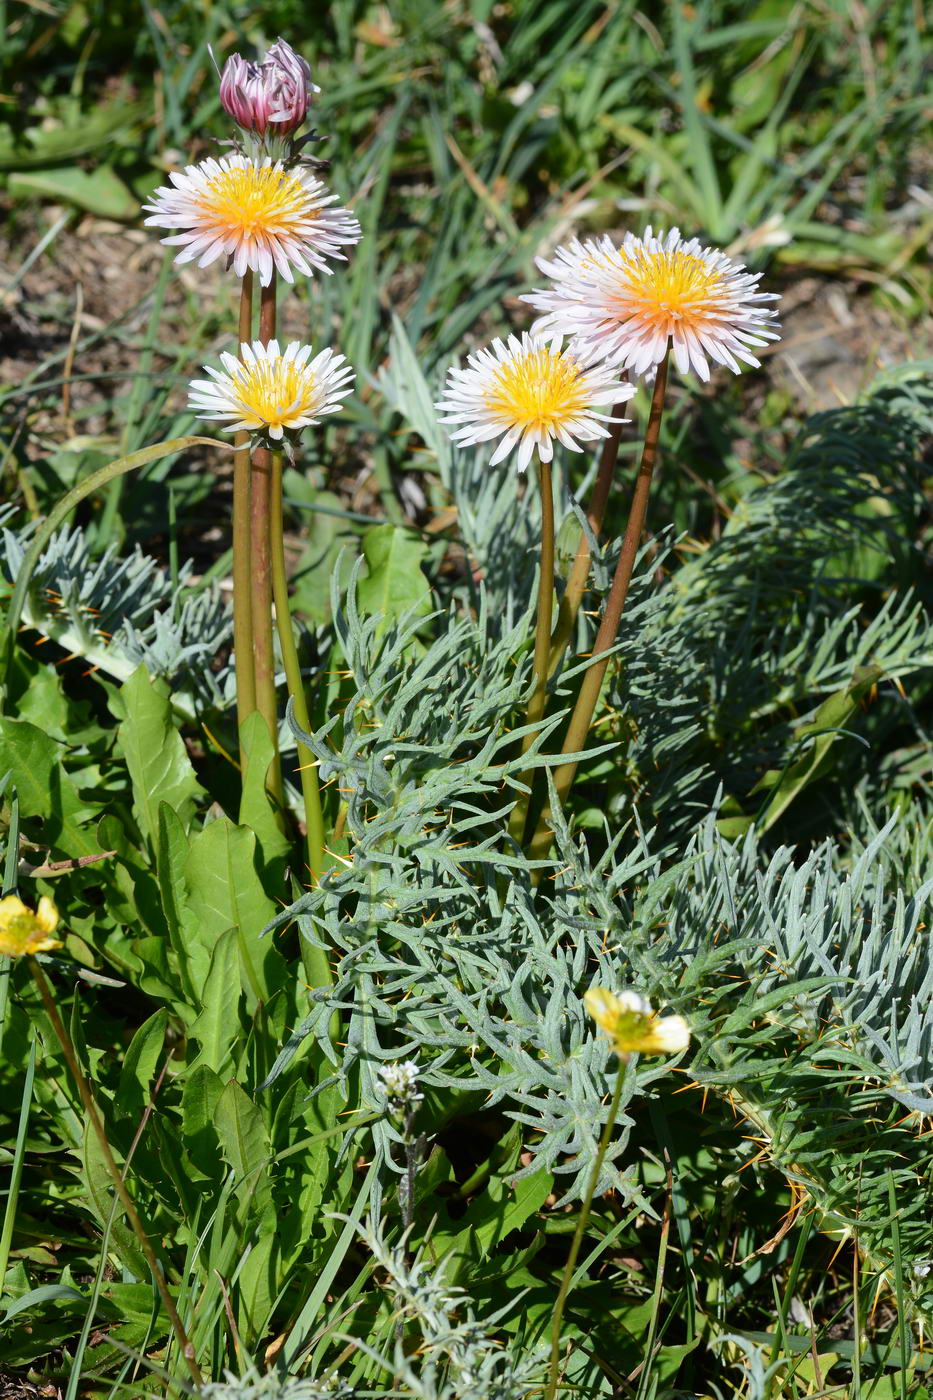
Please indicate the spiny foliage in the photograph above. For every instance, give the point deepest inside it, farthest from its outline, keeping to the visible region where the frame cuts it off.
(118, 613)
(806, 976)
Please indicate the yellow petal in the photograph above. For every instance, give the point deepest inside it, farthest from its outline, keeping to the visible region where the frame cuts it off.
(41, 944)
(11, 907)
(47, 915)
(603, 1006)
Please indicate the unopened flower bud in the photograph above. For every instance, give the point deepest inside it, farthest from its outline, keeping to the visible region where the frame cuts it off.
(275, 93)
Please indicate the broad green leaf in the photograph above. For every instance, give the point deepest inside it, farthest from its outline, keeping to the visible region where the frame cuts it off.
(506, 1206)
(395, 584)
(199, 1101)
(99, 191)
(218, 1024)
(255, 808)
(257, 1287)
(100, 1191)
(45, 789)
(38, 695)
(245, 1145)
(225, 891)
(139, 1065)
(171, 859)
(160, 769)
(832, 716)
(193, 943)
(158, 976)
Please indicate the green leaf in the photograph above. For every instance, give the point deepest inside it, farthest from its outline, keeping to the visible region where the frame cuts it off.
(99, 191)
(255, 808)
(199, 1101)
(101, 1195)
(257, 1287)
(245, 1145)
(218, 1024)
(139, 1065)
(160, 769)
(193, 948)
(44, 788)
(226, 892)
(506, 1206)
(395, 584)
(832, 716)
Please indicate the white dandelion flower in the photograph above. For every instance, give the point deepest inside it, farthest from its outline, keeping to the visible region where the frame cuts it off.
(530, 392)
(271, 392)
(258, 215)
(628, 304)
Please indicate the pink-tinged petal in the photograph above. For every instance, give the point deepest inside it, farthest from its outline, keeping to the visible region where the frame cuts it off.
(630, 302)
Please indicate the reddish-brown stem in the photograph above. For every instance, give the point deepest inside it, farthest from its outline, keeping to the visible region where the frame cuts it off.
(261, 565)
(242, 571)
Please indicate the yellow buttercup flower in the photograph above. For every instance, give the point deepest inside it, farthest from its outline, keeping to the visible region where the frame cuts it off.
(631, 1025)
(22, 931)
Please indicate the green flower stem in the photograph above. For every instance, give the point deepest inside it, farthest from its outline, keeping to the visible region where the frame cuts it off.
(315, 959)
(579, 572)
(126, 1200)
(579, 1232)
(242, 571)
(261, 566)
(306, 760)
(535, 711)
(582, 717)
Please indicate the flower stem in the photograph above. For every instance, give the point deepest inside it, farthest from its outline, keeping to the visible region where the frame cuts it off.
(578, 1233)
(126, 1200)
(583, 711)
(307, 763)
(576, 579)
(535, 711)
(261, 565)
(242, 572)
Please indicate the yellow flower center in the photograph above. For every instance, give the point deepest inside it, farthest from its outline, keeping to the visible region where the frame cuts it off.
(537, 388)
(275, 393)
(674, 286)
(248, 200)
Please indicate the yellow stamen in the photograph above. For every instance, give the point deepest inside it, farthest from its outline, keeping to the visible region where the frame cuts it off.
(537, 388)
(250, 200)
(276, 393)
(674, 284)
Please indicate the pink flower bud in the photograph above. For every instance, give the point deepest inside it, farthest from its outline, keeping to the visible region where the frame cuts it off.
(276, 92)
